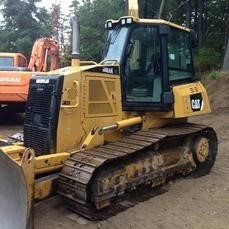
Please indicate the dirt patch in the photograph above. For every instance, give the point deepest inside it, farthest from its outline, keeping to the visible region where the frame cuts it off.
(218, 92)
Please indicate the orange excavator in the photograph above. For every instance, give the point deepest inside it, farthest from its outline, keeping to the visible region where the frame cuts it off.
(43, 50)
(9, 60)
(15, 73)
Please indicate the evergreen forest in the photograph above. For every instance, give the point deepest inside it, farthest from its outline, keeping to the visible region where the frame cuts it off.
(23, 21)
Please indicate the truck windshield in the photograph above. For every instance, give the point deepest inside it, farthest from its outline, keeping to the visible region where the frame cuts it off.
(6, 62)
(115, 43)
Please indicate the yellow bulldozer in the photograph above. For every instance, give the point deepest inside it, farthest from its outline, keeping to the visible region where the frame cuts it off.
(92, 132)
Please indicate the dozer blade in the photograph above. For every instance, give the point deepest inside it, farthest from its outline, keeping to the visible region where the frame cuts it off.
(15, 191)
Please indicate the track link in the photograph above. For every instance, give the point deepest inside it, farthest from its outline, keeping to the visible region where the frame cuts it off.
(92, 179)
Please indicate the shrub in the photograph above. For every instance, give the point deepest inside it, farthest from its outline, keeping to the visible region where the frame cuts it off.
(206, 60)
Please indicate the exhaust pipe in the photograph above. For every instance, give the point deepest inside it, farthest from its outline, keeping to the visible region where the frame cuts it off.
(75, 41)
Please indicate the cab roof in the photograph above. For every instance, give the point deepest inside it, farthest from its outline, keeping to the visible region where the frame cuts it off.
(149, 21)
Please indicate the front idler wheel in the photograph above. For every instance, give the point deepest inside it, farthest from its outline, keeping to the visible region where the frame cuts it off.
(205, 147)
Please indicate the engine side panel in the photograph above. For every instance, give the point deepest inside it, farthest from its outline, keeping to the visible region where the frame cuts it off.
(190, 99)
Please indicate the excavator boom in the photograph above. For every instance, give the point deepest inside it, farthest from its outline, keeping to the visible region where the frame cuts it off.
(14, 80)
(44, 50)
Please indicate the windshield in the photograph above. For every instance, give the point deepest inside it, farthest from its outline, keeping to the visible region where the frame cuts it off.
(115, 43)
(6, 62)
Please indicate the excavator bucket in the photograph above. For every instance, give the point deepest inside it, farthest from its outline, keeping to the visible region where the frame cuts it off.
(16, 191)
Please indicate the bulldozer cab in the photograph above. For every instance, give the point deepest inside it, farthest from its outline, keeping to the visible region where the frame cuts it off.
(153, 56)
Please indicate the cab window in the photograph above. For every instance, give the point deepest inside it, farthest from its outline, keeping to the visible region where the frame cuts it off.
(143, 67)
(179, 56)
(6, 61)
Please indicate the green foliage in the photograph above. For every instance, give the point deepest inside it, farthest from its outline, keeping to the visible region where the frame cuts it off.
(207, 59)
(23, 23)
(149, 9)
(209, 19)
(213, 75)
(92, 16)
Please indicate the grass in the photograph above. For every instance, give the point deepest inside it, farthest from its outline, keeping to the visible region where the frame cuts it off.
(213, 75)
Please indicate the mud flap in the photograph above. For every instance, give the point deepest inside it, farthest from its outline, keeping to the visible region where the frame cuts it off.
(16, 191)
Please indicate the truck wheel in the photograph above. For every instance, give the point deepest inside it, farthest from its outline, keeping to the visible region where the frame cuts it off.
(204, 150)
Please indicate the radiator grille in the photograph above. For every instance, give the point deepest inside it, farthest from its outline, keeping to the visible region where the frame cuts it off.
(42, 113)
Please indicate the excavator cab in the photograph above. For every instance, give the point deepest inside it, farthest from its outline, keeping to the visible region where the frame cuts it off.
(153, 57)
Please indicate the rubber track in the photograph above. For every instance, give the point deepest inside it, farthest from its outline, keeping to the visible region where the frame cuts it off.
(79, 170)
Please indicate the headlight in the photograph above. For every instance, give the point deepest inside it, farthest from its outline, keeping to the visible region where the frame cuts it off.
(126, 21)
(129, 20)
(108, 25)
